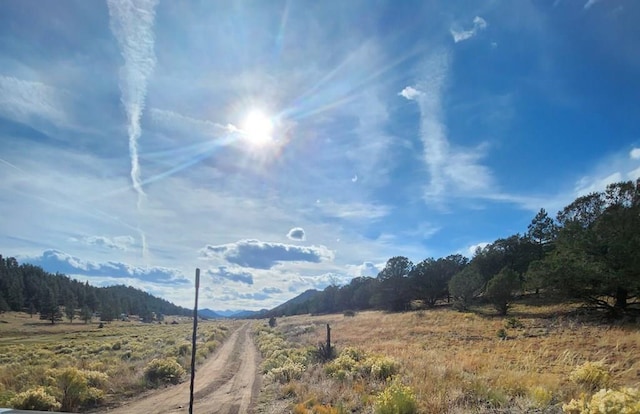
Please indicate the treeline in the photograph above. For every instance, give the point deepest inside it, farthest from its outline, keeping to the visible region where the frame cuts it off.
(28, 288)
(590, 252)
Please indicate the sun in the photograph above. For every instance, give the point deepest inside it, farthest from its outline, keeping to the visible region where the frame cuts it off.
(257, 128)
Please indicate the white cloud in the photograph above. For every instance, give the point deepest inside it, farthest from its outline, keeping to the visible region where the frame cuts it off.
(634, 154)
(224, 273)
(357, 211)
(460, 35)
(367, 269)
(132, 24)
(57, 261)
(265, 255)
(590, 4)
(25, 101)
(471, 250)
(118, 242)
(410, 93)
(297, 234)
(453, 171)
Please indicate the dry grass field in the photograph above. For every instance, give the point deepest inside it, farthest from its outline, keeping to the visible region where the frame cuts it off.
(469, 362)
(100, 364)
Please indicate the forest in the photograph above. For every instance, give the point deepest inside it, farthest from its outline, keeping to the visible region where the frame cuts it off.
(590, 254)
(28, 288)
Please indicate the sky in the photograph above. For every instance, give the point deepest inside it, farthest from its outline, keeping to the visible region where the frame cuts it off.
(285, 145)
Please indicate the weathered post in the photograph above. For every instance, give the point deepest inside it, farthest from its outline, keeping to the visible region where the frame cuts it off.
(193, 343)
(328, 342)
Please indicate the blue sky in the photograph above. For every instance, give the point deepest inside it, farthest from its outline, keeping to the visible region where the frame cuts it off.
(285, 145)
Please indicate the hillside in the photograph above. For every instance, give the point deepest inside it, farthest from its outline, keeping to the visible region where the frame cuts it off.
(28, 288)
(445, 361)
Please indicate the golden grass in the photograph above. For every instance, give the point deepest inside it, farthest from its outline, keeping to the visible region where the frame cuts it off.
(456, 362)
(30, 347)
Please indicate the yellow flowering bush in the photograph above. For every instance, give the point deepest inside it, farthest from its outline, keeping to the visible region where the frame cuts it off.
(356, 363)
(35, 399)
(166, 370)
(591, 375)
(396, 399)
(623, 401)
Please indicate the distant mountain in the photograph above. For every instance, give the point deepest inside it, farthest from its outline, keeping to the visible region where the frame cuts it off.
(294, 306)
(247, 314)
(209, 314)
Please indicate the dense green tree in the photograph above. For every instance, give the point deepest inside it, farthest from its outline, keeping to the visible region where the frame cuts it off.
(542, 230)
(394, 291)
(4, 306)
(70, 308)
(501, 289)
(49, 308)
(465, 285)
(596, 257)
(430, 278)
(86, 314)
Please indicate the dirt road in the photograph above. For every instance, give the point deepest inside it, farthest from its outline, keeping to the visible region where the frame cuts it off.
(225, 384)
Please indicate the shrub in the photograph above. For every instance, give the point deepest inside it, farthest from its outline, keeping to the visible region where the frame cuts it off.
(591, 376)
(624, 401)
(349, 313)
(396, 399)
(76, 387)
(287, 372)
(513, 323)
(272, 322)
(35, 399)
(166, 370)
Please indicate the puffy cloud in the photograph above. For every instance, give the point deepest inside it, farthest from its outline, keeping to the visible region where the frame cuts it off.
(410, 93)
(460, 35)
(471, 250)
(223, 273)
(265, 255)
(365, 269)
(635, 154)
(296, 233)
(57, 261)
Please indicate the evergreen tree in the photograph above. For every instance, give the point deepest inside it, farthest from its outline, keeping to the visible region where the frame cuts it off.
(49, 308)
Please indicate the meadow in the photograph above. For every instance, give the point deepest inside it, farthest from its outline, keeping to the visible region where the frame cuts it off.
(77, 366)
(541, 358)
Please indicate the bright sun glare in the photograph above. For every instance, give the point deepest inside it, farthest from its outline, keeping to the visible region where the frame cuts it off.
(257, 128)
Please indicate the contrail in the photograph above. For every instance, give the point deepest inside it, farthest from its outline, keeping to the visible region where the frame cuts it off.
(131, 22)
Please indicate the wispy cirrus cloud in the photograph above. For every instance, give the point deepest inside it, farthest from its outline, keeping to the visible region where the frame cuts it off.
(478, 24)
(132, 24)
(450, 168)
(117, 243)
(355, 210)
(24, 101)
(57, 261)
(265, 255)
(590, 3)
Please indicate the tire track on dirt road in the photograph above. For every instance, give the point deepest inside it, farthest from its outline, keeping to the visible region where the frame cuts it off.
(227, 383)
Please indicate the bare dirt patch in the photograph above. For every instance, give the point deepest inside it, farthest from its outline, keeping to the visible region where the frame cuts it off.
(227, 383)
